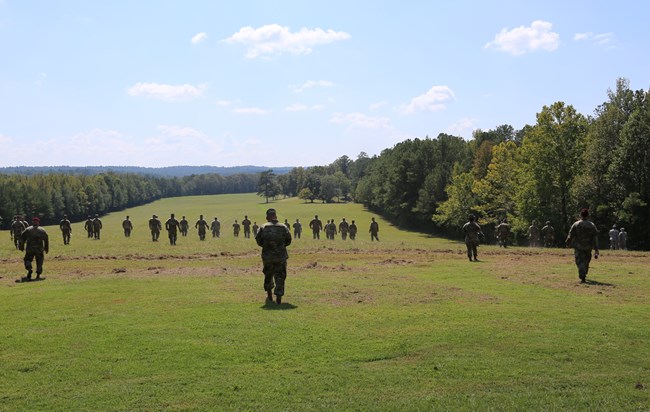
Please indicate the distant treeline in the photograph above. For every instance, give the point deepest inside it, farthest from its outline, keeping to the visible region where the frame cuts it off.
(170, 171)
(50, 196)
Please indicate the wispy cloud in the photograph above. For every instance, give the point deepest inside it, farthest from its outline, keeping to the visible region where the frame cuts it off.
(463, 127)
(166, 92)
(199, 37)
(40, 78)
(225, 103)
(360, 120)
(251, 110)
(310, 84)
(606, 40)
(431, 101)
(301, 107)
(522, 39)
(378, 105)
(274, 39)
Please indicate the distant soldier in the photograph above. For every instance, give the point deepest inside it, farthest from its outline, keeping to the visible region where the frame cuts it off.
(344, 228)
(202, 227)
(256, 228)
(297, 229)
(473, 236)
(287, 224)
(35, 242)
(89, 227)
(374, 230)
(331, 231)
(274, 237)
(17, 228)
(97, 227)
(235, 228)
(353, 230)
(548, 232)
(247, 227)
(127, 225)
(583, 237)
(172, 226)
(215, 227)
(622, 239)
(316, 226)
(66, 229)
(613, 238)
(155, 226)
(185, 225)
(503, 233)
(533, 234)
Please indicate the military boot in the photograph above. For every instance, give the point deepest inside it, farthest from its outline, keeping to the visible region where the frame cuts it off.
(279, 300)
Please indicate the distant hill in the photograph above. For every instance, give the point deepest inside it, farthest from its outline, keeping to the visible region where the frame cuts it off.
(170, 171)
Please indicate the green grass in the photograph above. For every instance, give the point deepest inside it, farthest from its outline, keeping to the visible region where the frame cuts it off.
(404, 324)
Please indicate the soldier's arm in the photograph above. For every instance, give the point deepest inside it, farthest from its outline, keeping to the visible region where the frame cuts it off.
(46, 243)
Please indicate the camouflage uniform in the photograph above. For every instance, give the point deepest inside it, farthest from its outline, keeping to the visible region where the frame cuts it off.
(344, 228)
(533, 235)
(316, 226)
(473, 235)
(235, 229)
(202, 225)
(353, 230)
(66, 229)
(274, 237)
(89, 227)
(185, 225)
(256, 229)
(127, 225)
(287, 224)
(155, 226)
(374, 230)
(548, 232)
(622, 239)
(97, 227)
(215, 228)
(583, 237)
(503, 233)
(246, 223)
(613, 238)
(297, 229)
(172, 226)
(35, 242)
(17, 227)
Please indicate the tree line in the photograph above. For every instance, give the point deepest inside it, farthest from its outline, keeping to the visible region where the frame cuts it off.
(543, 172)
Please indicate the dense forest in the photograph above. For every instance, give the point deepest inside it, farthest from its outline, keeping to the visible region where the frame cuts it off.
(167, 171)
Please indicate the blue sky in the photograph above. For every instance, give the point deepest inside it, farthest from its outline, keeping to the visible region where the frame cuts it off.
(294, 83)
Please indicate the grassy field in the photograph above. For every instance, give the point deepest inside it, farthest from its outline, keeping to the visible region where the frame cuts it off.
(402, 324)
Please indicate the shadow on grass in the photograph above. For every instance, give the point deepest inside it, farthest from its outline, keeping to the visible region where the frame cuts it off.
(275, 306)
(597, 283)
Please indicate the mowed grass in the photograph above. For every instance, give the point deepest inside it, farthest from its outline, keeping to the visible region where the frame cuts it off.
(404, 324)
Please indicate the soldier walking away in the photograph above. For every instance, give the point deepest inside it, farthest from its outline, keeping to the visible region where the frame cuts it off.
(66, 229)
(583, 237)
(332, 230)
(34, 241)
(97, 227)
(235, 228)
(256, 228)
(127, 225)
(613, 238)
(185, 225)
(202, 227)
(17, 228)
(503, 233)
(353, 230)
(374, 230)
(155, 226)
(548, 232)
(246, 223)
(622, 239)
(297, 229)
(274, 237)
(533, 234)
(473, 235)
(287, 224)
(215, 227)
(172, 226)
(89, 227)
(344, 228)
(316, 226)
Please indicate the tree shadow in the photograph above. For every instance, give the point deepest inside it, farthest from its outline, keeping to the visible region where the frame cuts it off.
(597, 283)
(275, 306)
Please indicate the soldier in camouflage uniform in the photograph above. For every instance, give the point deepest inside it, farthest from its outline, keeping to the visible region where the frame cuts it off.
(66, 229)
(353, 230)
(316, 226)
(287, 224)
(215, 227)
(548, 232)
(202, 225)
(235, 229)
(533, 234)
(503, 233)
(97, 227)
(622, 239)
(172, 226)
(613, 238)
(344, 228)
(332, 231)
(274, 237)
(127, 225)
(297, 229)
(473, 235)
(374, 230)
(246, 223)
(89, 227)
(185, 225)
(155, 226)
(583, 237)
(35, 242)
(17, 228)
(256, 228)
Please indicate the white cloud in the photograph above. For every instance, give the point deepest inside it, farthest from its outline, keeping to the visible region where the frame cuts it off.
(361, 121)
(176, 131)
(250, 110)
(274, 39)
(301, 107)
(199, 37)
(166, 92)
(606, 40)
(463, 127)
(40, 78)
(378, 105)
(583, 36)
(225, 103)
(431, 101)
(310, 84)
(524, 39)
(4, 139)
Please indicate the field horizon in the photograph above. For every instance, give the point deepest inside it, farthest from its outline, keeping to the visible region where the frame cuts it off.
(407, 323)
